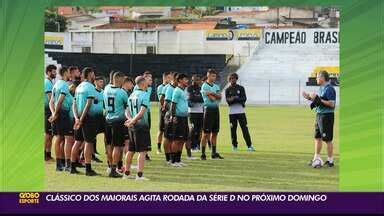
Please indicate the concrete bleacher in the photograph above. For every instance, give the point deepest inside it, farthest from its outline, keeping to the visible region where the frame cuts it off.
(278, 73)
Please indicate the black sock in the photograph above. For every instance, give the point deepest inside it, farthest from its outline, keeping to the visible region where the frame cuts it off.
(213, 149)
(167, 157)
(203, 150)
(119, 164)
(113, 168)
(73, 165)
(58, 162)
(49, 154)
(158, 145)
(45, 154)
(173, 157)
(63, 161)
(189, 152)
(88, 167)
(140, 174)
(179, 157)
(68, 163)
(127, 172)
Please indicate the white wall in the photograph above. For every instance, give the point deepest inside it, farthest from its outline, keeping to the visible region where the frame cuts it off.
(165, 42)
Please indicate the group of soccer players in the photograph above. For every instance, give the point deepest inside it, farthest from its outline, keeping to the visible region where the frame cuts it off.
(78, 108)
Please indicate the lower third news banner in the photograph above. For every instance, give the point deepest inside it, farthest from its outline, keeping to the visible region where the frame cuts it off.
(191, 202)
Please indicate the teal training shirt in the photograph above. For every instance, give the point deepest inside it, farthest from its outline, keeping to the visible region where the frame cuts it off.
(149, 93)
(160, 90)
(168, 95)
(179, 97)
(326, 92)
(208, 87)
(138, 99)
(61, 88)
(85, 91)
(48, 85)
(115, 100)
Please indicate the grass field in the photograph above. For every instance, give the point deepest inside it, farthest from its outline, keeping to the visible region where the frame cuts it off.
(282, 136)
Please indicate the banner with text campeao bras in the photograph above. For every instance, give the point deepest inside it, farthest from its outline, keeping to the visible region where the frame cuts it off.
(301, 36)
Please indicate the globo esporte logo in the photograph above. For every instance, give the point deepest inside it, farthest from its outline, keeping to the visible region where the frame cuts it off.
(29, 198)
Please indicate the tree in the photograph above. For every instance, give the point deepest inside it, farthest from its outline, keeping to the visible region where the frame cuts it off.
(55, 22)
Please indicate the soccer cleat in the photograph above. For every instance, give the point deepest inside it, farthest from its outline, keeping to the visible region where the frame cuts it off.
(195, 150)
(142, 178)
(59, 168)
(120, 171)
(130, 176)
(147, 158)
(216, 156)
(168, 162)
(108, 170)
(203, 157)
(97, 160)
(74, 171)
(329, 164)
(91, 173)
(234, 148)
(67, 169)
(114, 174)
(310, 163)
(176, 165)
(251, 149)
(49, 159)
(182, 164)
(191, 158)
(158, 151)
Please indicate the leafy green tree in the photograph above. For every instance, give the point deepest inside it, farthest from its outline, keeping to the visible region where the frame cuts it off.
(55, 22)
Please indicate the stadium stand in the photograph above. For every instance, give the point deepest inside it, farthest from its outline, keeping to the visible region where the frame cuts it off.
(278, 73)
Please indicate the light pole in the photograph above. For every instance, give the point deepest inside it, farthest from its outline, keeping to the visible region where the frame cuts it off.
(58, 26)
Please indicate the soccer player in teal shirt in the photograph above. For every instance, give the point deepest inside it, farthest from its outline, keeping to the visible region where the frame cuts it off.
(161, 110)
(60, 105)
(116, 100)
(138, 124)
(50, 75)
(168, 125)
(148, 77)
(108, 129)
(179, 117)
(84, 111)
(324, 103)
(211, 122)
(100, 118)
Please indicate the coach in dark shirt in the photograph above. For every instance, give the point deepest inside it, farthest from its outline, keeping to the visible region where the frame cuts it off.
(195, 110)
(236, 98)
(324, 103)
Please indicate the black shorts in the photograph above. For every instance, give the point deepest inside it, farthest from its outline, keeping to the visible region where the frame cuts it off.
(78, 135)
(47, 124)
(89, 128)
(139, 140)
(168, 127)
(108, 134)
(118, 136)
(63, 126)
(211, 120)
(181, 128)
(100, 119)
(161, 120)
(324, 126)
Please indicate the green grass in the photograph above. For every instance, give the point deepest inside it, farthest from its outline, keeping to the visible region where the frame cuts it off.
(282, 136)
